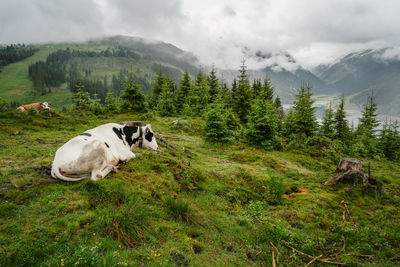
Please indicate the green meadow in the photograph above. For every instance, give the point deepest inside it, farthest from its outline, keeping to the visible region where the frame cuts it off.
(188, 204)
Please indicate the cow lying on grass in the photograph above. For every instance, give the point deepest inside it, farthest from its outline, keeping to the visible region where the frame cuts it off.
(99, 150)
(37, 106)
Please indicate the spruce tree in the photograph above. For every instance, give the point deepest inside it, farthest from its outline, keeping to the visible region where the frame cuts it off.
(242, 95)
(267, 90)
(225, 94)
(328, 123)
(366, 143)
(81, 100)
(132, 96)
(157, 87)
(389, 141)
(256, 88)
(183, 90)
(216, 130)
(111, 103)
(262, 124)
(95, 105)
(342, 131)
(198, 97)
(166, 102)
(305, 123)
(213, 85)
(368, 120)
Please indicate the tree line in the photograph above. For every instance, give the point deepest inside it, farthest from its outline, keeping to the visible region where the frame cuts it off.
(60, 68)
(252, 113)
(15, 52)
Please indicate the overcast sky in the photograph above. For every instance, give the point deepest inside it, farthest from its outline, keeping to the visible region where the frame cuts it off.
(219, 32)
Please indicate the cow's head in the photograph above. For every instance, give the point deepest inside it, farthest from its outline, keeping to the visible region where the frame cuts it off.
(44, 105)
(149, 140)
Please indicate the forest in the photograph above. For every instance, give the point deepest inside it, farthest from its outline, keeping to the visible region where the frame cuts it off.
(253, 113)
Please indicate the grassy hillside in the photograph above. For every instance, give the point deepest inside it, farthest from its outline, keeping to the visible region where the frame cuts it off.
(187, 204)
(16, 85)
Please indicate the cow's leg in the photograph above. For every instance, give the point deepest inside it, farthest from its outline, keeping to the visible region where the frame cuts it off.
(99, 174)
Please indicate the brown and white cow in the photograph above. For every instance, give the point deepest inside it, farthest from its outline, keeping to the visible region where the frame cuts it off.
(37, 106)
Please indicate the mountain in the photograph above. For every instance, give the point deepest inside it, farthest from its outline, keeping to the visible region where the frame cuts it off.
(281, 68)
(359, 74)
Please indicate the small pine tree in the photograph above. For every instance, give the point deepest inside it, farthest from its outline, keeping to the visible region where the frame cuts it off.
(157, 87)
(212, 81)
(216, 130)
(389, 141)
(262, 125)
(328, 123)
(256, 88)
(305, 123)
(111, 103)
(95, 105)
(183, 90)
(267, 91)
(242, 95)
(342, 131)
(81, 100)
(166, 102)
(368, 121)
(365, 142)
(132, 96)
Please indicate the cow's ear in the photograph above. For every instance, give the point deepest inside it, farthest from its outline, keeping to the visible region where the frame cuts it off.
(149, 126)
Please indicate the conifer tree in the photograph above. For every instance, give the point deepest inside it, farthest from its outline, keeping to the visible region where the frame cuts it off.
(132, 96)
(368, 120)
(111, 103)
(183, 90)
(81, 100)
(267, 90)
(365, 142)
(305, 123)
(216, 130)
(328, 123)
(256, 88)
(342, 131)
(157, 87)
(95, 105)
(166, 102)
(225, 94)
(389, 141)
(213, 85)
(262, 124)
(198, 97)
(242, 95)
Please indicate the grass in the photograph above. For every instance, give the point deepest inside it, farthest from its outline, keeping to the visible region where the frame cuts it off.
(202, 206)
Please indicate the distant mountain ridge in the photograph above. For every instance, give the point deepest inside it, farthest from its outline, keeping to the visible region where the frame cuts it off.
(359, 74)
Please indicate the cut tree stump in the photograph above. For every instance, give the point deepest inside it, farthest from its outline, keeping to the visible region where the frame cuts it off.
(353, 173)
(346, 164)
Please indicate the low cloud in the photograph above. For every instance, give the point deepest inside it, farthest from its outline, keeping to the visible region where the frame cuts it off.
(312, 32)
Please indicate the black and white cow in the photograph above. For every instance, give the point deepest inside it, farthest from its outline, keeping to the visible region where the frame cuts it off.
(98, 151)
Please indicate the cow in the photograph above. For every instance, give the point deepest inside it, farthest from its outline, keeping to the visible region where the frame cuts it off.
(98, 151)
(37, 106)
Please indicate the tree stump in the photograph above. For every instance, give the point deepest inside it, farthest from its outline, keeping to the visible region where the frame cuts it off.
(346, 164)
(353, 173)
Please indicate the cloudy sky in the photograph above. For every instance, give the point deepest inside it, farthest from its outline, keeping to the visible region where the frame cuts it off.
(220, 32)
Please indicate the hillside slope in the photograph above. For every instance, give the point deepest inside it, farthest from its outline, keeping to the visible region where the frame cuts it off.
(187, 204)
(16, 86)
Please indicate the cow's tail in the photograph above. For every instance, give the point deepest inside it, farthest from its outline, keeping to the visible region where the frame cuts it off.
(55, 172)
